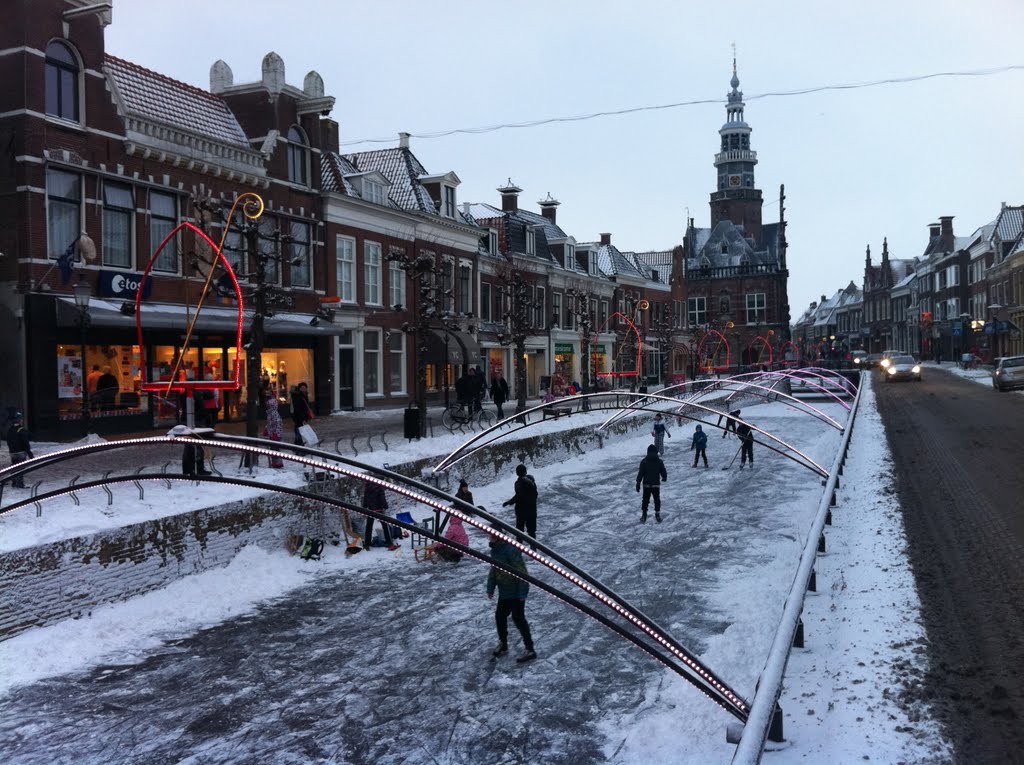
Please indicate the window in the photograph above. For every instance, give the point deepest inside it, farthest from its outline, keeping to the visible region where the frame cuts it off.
(570, 257)
(267, 244)
(371, 362)
(593, 313)
(540, 308)
(602, 316)
(163, 217)
(465, 293)
(556, 309)
(755, 307)
(61, 82)
(234, 252)
(301, 263)
(373, 191)
(118, 214)
(396, 282)
(447, 297)
(396, 353)
(485, 301)
(345, 255)
(569, 317)
(697, 311)
(953, 276)
(298, 157)
(64, 210)
(531, 241)
(371, 273)
(489, 242)
(593, 269)
(449, 201)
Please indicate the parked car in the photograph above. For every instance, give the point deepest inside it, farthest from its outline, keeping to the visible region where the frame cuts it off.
(1008, 373)
(902, 368)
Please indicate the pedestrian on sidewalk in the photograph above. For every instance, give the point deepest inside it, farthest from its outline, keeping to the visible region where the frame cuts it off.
(512, 592)
(19, 442)
(699, 445)
(274, 427)
(301, 411)
(525, 501)
(659, 432)
(746, 436)
(650, 475)
(375, 499)
(499, 394)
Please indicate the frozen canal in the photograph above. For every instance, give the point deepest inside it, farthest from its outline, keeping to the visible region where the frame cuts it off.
(379, 659)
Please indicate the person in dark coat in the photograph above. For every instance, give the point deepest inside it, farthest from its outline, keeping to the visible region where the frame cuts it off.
(465, 389)
(730, 425)
(106, 390)
(650, 475)
(699, 446)
(499, 394)
(481, 389)
(20, 446)
(512, 592)
(525, 500)
(375, 499)
(301, 411)
(746, 436)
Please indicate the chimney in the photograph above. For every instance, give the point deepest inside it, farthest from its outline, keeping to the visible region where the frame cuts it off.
(606, 238)
(547, 207)
(329, 135)
(933, 231)
(509, 197)
(403, 140)
(946, 232)
(823, 299)
(465, 208)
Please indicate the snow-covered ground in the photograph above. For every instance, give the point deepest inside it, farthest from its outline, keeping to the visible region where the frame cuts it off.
(715, 572)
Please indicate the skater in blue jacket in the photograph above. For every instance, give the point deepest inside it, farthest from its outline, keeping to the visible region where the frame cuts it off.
(659, 432)
(698, 446)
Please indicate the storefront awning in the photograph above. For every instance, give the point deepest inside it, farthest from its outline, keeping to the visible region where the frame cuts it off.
(462, 347)
(104, 313)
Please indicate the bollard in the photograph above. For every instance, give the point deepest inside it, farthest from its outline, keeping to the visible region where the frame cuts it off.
(812, 583)
(821, 543)
(775, 731)
(798, 638)
(832, 502)
(828, 518)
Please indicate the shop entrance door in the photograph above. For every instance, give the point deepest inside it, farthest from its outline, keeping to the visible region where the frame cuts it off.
(346, 377)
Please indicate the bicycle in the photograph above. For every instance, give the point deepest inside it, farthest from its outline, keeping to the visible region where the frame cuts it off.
(456, 416)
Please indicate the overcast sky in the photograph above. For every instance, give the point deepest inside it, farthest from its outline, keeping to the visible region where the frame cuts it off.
(858, 165)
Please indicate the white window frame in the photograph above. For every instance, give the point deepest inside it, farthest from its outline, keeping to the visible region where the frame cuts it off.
(396, 284)
(757, 307)
(592, 263)
(155, 236)
(371, 273)
(570, 256)
(373, 363)
(539, 298)
(345, 257)
(55, 247)
(112, 211)
(531, 241)
(448, 201)
(697, 311)
(492, 241)
(396, 362)
(373, 191)
(298, 156)
(556, 309)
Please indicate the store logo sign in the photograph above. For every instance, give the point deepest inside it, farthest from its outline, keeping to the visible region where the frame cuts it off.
(121, 284)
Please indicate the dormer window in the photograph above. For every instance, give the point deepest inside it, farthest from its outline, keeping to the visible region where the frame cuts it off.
(298, 157)
(531, 241)
(373, 191)
(62, 72)
(448, 206)
(593, 270)
(570, 257)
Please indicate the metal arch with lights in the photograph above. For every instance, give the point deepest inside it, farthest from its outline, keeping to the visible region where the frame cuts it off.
(781, 375)
(252, 208)
(707, 359)
(787, 362)
(655, 640)
(639, 343)
(761, 344)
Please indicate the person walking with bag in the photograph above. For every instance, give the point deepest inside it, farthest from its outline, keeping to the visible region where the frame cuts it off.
(301, 411)
(650, 475)
(512, 592)
(699, 445)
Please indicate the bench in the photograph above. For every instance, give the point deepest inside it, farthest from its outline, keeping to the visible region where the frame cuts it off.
(556, 411)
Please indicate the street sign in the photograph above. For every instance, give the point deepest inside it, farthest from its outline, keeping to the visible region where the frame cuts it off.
(957, 330)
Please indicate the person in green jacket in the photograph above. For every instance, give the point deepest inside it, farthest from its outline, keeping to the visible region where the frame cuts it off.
(512, 592)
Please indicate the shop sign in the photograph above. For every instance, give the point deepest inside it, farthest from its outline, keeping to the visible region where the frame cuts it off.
(122, 284)
(599, 349)
(564, 348)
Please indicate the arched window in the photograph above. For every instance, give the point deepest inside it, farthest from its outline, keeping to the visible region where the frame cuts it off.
(298, 157)
(61, 81)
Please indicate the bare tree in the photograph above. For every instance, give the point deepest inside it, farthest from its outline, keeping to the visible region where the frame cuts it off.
(518, 295)
(663, 327)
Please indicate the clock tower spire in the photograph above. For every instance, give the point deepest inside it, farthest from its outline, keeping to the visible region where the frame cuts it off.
(736, 199)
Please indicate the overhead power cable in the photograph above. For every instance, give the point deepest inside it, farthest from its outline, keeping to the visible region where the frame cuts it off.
(698, 102)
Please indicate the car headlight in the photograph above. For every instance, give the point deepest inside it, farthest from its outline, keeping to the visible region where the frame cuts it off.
(884, 363)
(916, 370)
(892, 370)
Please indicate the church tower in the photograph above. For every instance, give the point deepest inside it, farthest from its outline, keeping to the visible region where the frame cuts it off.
(736, 199)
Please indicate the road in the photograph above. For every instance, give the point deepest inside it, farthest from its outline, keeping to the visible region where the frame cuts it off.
(957, 452)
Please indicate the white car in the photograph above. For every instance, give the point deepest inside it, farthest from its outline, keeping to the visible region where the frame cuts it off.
(1008, 373)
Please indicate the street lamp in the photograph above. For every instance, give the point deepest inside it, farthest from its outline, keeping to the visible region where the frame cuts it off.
(82, 292)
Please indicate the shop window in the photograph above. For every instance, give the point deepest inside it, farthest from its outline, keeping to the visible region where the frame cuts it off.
(301, 263)
(163, 217)
(110, 375)
(62, 75)
(396, 362)
(371, 275)
(63, 210)
(118, 215)
(371, 363)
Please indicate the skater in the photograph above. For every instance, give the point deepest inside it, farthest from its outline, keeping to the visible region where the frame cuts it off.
(193, 460)
(464, 493)
(525, 500)
(456, 532)
(301, 411)
(746, 436)
(274, 427)
(512, 592)
(210, 404)
(499, 394)
(699, 446)
(651, 474)
(375, 499)
(659, 433)
(19, 444)
(730, 425)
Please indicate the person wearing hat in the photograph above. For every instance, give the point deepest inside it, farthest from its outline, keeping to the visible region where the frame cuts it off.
(19, 444)
(464, 493)
(650, 476)
(512, 592)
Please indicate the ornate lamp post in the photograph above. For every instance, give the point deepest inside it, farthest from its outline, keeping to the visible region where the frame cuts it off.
(83, 294)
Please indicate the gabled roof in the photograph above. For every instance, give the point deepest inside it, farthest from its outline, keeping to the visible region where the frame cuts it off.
(552, 232)
(726, 245)
(154, 97)
(1009, 223)
(655, 265)
(614, 263)
(400, 166)
(481, 211)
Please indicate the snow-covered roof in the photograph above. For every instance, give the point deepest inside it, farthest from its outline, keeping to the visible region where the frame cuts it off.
(614, 263)
(1010, 223)
(727, 245)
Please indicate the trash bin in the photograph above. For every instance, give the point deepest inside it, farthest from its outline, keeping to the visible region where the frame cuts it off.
(412, 423)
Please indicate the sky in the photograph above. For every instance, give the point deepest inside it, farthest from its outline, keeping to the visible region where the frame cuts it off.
(858, 164)
(863, 625)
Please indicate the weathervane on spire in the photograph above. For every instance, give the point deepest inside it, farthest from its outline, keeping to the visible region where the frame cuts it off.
(734, 58)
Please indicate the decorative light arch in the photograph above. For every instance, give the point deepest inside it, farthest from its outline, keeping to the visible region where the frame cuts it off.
(759, 345)
(785, 350)
(714, 339)
(639, 344)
